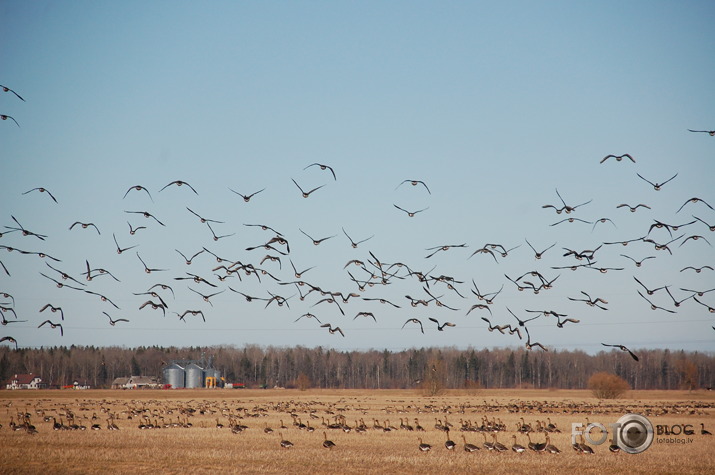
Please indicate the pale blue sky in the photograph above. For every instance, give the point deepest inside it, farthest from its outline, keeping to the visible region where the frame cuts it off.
(493, 105)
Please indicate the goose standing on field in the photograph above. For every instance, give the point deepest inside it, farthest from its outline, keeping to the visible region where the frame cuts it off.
(498, 446)
(418, 427)
(613, 448)
(467, 446)
(519, 449)
(424, 447)
(550, 448)
(487, 445)
(328, 444)
(449, 444)
(535, 446)
(582, 447)
(286, 444)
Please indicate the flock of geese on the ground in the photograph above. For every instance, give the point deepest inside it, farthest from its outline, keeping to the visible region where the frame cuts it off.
(363, 275)
(528, 434)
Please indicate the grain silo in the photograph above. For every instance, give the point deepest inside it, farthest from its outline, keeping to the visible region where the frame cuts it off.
(194, 376)
(213, 378)
(175, 375)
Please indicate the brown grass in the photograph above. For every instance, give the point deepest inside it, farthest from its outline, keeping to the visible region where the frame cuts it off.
(204, 448)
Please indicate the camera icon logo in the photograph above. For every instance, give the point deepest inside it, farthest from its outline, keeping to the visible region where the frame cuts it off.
(634, 433)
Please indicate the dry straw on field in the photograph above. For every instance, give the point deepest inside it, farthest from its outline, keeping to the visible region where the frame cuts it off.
(201, 431)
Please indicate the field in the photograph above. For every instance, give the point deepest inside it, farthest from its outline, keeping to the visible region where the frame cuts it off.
(184, 434)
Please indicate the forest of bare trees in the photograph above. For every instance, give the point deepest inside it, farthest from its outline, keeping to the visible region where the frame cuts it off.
(257, 366)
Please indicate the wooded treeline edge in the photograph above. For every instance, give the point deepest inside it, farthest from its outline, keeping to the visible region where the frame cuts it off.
(319, 367)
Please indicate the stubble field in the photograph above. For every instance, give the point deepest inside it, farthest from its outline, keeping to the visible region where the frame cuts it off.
(183, 433)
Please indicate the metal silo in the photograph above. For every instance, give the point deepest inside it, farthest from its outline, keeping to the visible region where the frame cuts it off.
(194, 376)
(174, 375)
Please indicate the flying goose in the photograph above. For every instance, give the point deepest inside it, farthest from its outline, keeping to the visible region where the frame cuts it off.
(623, 348)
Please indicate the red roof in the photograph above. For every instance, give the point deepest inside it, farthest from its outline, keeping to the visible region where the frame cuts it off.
(24, 378)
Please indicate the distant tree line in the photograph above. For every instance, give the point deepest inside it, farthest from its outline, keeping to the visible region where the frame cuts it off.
(319, 367)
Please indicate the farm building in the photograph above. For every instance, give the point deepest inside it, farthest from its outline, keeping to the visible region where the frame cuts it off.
(192, 374)
(135, 382)
(25, 381)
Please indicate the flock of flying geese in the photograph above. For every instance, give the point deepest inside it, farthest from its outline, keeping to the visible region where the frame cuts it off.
(363, 274)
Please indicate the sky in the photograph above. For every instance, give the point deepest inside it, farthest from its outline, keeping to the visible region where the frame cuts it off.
(497, 108)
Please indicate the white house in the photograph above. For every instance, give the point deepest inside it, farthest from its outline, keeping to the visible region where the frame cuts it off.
(25, 381)
(135, 382)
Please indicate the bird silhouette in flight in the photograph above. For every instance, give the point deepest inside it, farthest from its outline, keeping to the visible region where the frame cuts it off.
(695, 200)
(53, 325)
(42, 190)
(529, 344)
(414, 320)
(652, 305)
(54, 310)
(353, 243)
(316, 241)
(332, 330)
(619, 158)
(710, 132)
(306, 194)
(538, 254)
(441, 327)
(85, 226)
(138, 188)
(179, 183)
(656, 186)
(322, 167)
(147, 215)
(7, 89)
(637, 262)
(114, 321)
(10, 339)
(623, 348)
(415, 183)
(308, 315)
(247, 198)
(6, 117)
(633, 209)
(411, 214)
